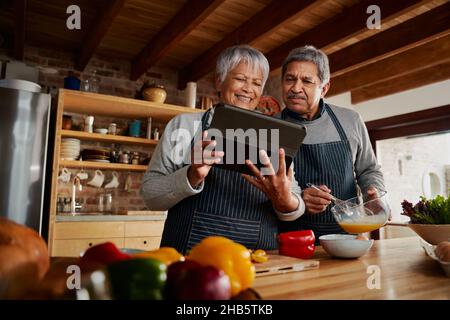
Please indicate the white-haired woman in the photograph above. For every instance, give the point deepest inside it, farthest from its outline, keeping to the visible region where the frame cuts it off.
(203, 200)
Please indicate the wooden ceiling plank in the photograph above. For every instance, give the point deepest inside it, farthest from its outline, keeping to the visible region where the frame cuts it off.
(187, 18)
(413, 32)
(274, 14)
(20, 7)
(342, 26)
(94, 37)
(409, 81)
(428, 55)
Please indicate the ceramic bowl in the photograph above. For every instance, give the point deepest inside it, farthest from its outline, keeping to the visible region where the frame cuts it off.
(101, 130)
(344, 245)
(432, 233)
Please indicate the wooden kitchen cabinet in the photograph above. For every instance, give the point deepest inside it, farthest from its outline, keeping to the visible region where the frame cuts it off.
(71, 237)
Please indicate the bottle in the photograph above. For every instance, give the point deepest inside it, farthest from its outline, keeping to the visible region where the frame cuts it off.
(89, 124)
(94, 82)
(149, 128)
(156, 134)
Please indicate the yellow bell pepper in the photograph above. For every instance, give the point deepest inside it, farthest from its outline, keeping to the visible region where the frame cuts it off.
(259, 256)
(167, 255)
(229, 256)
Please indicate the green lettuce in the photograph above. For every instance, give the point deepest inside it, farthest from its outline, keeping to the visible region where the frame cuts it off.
(428, 211)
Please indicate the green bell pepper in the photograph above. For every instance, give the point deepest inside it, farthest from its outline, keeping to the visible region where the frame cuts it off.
(138, 279)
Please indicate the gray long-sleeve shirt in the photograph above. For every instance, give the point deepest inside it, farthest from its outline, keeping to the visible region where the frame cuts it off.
(165, 183)
(322, 130)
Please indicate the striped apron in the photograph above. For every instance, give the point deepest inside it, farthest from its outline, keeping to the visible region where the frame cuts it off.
(228, 206)
(330, 164)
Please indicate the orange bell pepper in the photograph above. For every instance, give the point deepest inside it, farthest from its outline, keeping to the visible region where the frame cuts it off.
(167, 255)
(229, 256)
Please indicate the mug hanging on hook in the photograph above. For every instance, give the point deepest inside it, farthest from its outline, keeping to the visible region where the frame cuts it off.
(114, 183)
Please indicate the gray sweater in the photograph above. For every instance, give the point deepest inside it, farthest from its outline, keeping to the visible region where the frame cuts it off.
(165, 183)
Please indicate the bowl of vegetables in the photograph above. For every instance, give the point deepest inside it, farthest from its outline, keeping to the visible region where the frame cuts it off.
(430, 218)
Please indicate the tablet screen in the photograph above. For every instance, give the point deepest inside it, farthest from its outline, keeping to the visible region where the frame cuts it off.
(241, 134)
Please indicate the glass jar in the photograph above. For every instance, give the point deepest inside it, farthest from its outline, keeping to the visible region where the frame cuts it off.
(136, 158)
(155, 93)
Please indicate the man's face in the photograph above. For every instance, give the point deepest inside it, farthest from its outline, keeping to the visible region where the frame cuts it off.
(302, 89)
(242, 87)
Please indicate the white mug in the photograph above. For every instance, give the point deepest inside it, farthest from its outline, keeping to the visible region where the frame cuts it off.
(114, 183)
(82, 175)
(65, 175)
(97, 180)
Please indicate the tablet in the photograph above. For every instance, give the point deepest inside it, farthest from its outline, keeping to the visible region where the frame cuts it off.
(242, 133)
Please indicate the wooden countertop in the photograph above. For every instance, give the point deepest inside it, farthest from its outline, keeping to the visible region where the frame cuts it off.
(406, 272)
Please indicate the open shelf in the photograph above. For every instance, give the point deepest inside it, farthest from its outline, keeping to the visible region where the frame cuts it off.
(101, 165)
(86, 136)
(111, 106)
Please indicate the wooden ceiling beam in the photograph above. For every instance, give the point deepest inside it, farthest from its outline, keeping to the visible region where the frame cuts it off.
(428, 55)
(413, 32)
(94, 37)
(274, 14)
(186, 19)
(20, 7)
(409, 81)
(344, 25)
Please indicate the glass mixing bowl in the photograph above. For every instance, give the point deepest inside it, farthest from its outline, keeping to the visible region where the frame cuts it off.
(357, 215)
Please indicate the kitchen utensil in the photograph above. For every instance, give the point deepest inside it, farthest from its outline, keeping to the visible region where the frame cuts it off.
(97, 180)
(128, 183)
(65, 175)
(277, 264)
(333, 198)
(82, 175)
(114, 183)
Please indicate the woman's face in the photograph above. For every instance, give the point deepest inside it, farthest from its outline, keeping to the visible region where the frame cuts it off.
(242, 87)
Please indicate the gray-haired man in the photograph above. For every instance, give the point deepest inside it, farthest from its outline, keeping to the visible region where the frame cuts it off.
(336, 154)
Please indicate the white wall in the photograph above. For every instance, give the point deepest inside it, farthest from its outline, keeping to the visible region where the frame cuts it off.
(426, 97)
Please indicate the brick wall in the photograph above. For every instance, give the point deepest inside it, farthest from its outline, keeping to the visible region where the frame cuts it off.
(113, 74)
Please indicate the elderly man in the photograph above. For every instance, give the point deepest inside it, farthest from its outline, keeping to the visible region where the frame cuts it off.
(336, 154)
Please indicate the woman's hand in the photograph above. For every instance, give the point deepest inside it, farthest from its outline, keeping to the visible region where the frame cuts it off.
(277, 186)
(202, 160)
(316, 201)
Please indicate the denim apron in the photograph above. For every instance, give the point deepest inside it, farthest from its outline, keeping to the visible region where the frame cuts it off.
(228, 206)
(330, 164)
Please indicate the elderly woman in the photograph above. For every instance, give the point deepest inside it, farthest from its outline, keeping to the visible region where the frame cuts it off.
(203, 200)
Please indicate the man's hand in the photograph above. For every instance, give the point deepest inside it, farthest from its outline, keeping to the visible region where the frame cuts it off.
(316, 201)
(202, 160)
(277, 186)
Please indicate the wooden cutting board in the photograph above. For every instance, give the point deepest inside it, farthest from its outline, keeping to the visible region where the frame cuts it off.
(282, 264)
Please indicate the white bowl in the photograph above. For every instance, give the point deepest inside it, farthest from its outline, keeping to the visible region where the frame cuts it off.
(344, 245)
(101, 130)
(432, 233)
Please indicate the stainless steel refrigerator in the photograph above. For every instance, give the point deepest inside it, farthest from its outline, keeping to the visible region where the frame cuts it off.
(24, 136)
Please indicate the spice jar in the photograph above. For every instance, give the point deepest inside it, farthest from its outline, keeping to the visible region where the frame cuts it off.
(124, 157)
(155, 93)
(136, 158)
(67, 122)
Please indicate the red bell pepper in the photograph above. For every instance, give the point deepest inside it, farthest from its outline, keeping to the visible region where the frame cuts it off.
(297, 244)
(103, 254)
